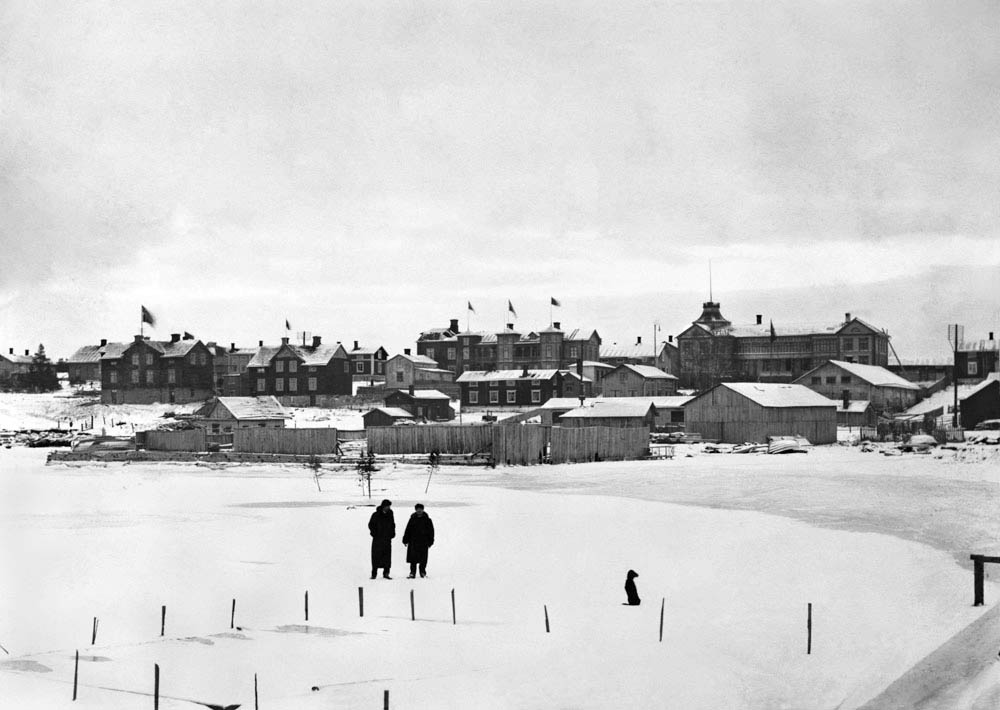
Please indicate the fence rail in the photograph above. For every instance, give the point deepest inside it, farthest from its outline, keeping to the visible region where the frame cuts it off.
(256, 440)
(445, 439)
(598, 443)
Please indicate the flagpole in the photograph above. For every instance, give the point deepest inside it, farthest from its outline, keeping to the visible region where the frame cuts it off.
(141, 323)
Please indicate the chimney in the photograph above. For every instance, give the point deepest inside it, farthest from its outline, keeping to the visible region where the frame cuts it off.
(453, 327)
(670, 338)
(524, 372)
(284, 341)
(356, 345)
(232, 347)
(991, 335)
(760, 319)
(260, 343)
(12, 351)
(174, 337)
(510, 326)
(847, 316)
(139, 338)
(411, 390)
(27, 352)
(406, 351)
(638, 340)
(556, 325)
(317, 341)
(104, 341)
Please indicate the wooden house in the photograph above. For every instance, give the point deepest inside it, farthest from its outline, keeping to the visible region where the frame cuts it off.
(385, 416)
(367, 364)
(975, 359)
(629, 380)
(300, 371)
(85, 364)
(146, 371)
(419, 371)
(430, 405)
(223, 415)
(230, 369)
(13, 368)
(518, 388)
(621, 413)
(887, 392)
(856, 413)
(983, 402)
(738, 412)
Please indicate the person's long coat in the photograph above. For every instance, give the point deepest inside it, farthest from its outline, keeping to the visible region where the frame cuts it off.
(418, 537)
(382, 526)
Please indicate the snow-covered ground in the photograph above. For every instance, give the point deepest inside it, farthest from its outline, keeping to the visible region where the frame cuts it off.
(735, 546)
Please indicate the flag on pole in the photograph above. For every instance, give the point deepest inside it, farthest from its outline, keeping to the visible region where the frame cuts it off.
(470, 307)
(147, 317)
(555, 302)
(188, 336)
(774, 336)
(510, 308)
(288, 326)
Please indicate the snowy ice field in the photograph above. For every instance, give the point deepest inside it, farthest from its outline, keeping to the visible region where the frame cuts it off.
(737, 546)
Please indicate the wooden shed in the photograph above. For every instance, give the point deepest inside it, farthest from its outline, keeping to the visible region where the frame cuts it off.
(223, 415)
(616, 414)
(385, 416)
(982, 403)
(431, 405)
(737, 412)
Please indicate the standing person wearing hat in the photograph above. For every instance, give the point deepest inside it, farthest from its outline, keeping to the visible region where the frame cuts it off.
(418, 538)
(382, 526)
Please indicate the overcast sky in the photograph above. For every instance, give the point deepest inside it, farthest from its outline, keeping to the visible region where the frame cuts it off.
(366, 169)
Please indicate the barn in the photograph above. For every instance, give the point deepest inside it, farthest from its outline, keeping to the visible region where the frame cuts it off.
(737, 412)
(983, 402)
(385, 416)
(222, 415)
(617, 414)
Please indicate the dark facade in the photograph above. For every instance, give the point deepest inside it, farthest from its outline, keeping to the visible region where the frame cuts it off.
(296, 370)
(664, 356)
(230, 370)
(982, 403)
(974, 360)
(518, 388)
(85, 364)
(385, 416)
(422, 404)
(14, 368)
(146, 371)
(509, 349)
(713, 350)
(367, 364)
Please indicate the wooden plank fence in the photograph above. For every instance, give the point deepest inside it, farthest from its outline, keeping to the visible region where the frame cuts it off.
(519, 444)
(185, 440)
(445, 439)
(285, 441)
(598, 443)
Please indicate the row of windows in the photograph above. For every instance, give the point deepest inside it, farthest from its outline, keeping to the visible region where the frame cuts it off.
(292, 384)
(519, 352)
(494, 398)
(279, 367)
(193, 358)
(150, 377)
(831, 380)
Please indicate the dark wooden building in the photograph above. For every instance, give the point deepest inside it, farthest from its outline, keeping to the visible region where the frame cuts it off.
(367, 364)
(385, 416)
(888, 392)
(85, 364)
(976, 359)
(146, 371)
(519, 388)
(422, 404)
(982, 403)
(291, 370)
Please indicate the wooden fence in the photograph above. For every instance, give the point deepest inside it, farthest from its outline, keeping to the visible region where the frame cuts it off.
(185, 440)
(285, 441)
(519, 444)
(598, 443)
(445, 439)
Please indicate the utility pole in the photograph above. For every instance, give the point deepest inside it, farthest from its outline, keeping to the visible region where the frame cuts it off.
(955, 333)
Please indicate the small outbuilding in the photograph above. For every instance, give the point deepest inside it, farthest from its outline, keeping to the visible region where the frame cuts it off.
(385, 416)
(885, 390)
(856, 413)
(619, 414)
(629, 380)
(738, 412)
(431, 405)
(982, 403)
(223, 415)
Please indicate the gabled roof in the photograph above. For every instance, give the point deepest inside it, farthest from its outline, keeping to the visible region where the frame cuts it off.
(88, 353)
(855, 406)
(648, 372)
(874, 375)
(668, 402)
(773, 394)
(392, 412)
(16, 359)
(616, 409)
(247, 408)
(367, 351)
(990, 379)
(561, 403)
(496, 375)
(629, 351)
(114, 351)
(417, 359)
(422, 394)
(581, 334)
(307, 355)
(599, 365)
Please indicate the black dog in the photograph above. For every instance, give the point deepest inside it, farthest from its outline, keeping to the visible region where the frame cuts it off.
(630, 590)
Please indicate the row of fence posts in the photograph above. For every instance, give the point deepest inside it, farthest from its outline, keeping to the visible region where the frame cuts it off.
(361, 613)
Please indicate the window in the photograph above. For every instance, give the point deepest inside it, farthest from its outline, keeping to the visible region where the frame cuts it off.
(347, 366)
(494, 396)
(548, 352)
(465, 353)
(451, 353)
(400, 376)
(511, 396)
(863, 359)
(848, 343)
(862, 343)
(293, 384)
(536, 396)
(172, 376)
(312, 384)
(379, 367)
(845, 379)
(293, 366)
(312, 369)
(261, 384)
(279, 385)
(973, 367)
(150, 375)
(832, 380)
(430, 353)
(149, 358)
(279, 365)
(494, 383)
(573, 351)
(135, 360)
(114, 377)
(817, 380)
(473, 397)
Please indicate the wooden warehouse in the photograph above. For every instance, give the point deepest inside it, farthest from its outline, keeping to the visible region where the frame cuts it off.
(737, 412)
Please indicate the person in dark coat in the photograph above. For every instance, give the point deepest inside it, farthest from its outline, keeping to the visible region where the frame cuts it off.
(382, 526)
(630, 590)
(418, 538)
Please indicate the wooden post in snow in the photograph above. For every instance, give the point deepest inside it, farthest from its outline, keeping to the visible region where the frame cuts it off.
(663, 605)
(232, 616)
(76, 673)
(385, 700)
(307, 605)
(413, 612)
(156, 686)
(93, 634)
(809, 629)
(453, 621)
(361, 601)
(163, 619)
(256, 704)
(544, 606)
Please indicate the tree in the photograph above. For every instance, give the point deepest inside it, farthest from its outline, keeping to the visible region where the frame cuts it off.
(42, 375)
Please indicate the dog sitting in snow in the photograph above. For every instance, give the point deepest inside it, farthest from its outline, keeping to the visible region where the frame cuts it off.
(630, 590)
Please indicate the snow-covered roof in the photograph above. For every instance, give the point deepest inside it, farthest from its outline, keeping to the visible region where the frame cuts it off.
(16, 359)
(436, 370)
(114, 351)
(393, 412)
(88, 353)
(496, 375)
(424, 394)
(857, 406)
(669, 402)
(649, 372)
(310, 356)
(990, 379)
(627, 351)
(875, 375)
(561, 403)
(774, 394)
(247, 408)
(417, 359)
(609, 410)
(601, 365)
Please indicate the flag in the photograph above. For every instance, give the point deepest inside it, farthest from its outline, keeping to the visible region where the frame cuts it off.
(774, 336)
(555, 302)
(188, 336)
(147, 317)
(510, 308)
(288, 326)
(471, 308)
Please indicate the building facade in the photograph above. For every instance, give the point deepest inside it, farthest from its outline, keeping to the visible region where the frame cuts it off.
(713, 350)
(519, 388)
(430, 405)
(13, 368)
(367, 364)
(848, 381)
(291, 370)
(146, 371)
(638, 381)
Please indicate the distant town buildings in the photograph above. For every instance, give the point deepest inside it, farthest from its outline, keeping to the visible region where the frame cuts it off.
(13, 367)
(146, 371)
